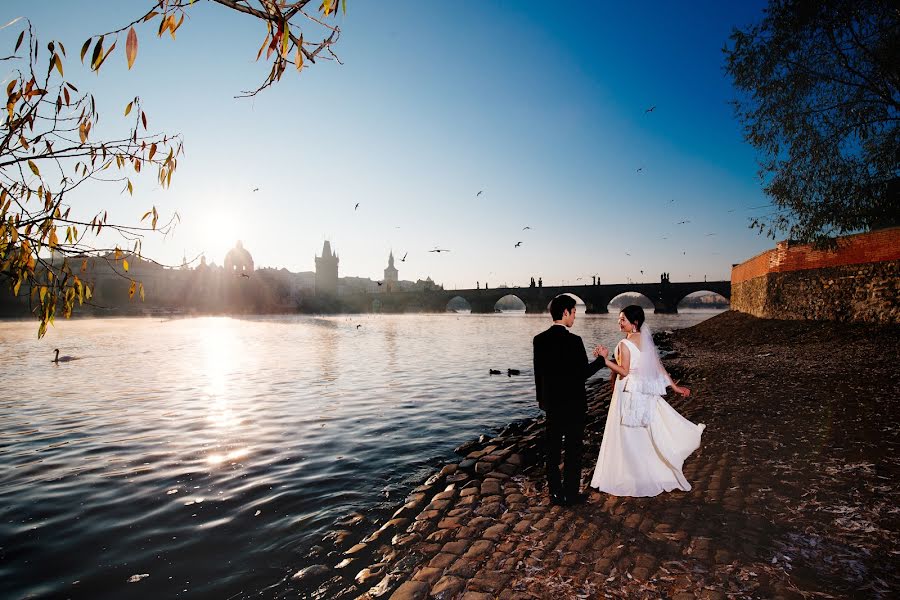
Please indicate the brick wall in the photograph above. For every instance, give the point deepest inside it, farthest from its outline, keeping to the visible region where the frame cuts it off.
(859, 281)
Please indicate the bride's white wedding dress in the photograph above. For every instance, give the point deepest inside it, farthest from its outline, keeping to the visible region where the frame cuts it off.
(644, 457)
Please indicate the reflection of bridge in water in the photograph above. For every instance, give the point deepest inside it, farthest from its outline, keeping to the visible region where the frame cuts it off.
(665, 297)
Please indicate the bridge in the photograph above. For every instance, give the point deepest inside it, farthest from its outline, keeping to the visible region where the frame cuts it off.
(665, 297)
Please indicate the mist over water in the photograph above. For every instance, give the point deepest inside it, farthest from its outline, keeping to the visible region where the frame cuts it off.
(203, 457)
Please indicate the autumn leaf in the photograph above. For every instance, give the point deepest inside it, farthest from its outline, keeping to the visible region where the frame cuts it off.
(125, 263)
(98, 53)
(128, 108)
(131, 47)
(131, 290)
(58, 63)
(84, 49)
(34, 168)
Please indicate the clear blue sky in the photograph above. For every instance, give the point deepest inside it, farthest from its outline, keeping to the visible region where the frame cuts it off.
(542, 109)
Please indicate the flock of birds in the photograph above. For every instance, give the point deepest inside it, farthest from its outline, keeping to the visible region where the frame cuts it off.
(519, 243)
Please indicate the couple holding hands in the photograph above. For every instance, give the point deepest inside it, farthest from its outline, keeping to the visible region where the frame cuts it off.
(645, 441)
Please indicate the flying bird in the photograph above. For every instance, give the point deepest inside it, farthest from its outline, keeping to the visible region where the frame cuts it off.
(439, 250)
(380, 283)
(650, 110)
(682, 222)
(357, 206)
(404, 257)
(245, 275)
(709, 234)
(358, 326)
(255, 189)
(479, 193)
(672, 200)
(640, 169)
(517, 244)
(526, 227)
(627, 254)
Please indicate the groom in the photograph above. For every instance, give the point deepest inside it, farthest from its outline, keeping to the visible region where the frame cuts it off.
(560, 370)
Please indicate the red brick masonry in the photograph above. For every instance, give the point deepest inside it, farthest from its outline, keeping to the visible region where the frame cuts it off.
(875, 246)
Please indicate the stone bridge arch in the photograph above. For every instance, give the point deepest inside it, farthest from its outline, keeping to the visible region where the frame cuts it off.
(698, 292)
(458, 303)
(508, 299)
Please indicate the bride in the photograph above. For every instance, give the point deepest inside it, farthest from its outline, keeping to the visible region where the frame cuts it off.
(645, 440)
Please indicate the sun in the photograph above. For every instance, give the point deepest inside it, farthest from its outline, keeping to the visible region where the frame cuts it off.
(218, 235)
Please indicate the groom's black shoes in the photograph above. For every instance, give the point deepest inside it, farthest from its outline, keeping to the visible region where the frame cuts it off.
(579, 498)
(558, 499)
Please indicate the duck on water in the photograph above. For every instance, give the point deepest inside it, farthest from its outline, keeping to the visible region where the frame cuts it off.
(58, 359)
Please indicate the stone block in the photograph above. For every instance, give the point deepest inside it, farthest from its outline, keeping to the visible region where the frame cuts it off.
(447, 587)
(479, 548)
(411, 590)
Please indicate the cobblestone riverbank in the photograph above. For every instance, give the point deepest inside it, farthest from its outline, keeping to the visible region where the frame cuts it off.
(794, 495)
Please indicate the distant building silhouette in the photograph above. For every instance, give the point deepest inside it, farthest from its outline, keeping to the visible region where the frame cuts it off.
(327, 271)
(238, 260)
(391, 275)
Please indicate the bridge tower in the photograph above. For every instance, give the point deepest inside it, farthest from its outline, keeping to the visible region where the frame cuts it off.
(327, 271)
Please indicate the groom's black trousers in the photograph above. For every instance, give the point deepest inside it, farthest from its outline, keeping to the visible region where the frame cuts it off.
(564, 432)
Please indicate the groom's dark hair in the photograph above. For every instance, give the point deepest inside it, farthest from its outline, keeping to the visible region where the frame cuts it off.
(634, 314)
(560, 304)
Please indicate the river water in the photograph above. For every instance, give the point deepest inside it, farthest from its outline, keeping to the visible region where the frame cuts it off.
(202, 457)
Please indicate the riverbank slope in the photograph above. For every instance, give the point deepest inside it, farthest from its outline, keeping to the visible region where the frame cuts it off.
(794, 493)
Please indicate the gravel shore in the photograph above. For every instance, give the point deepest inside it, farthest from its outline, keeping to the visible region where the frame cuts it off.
(795, 491)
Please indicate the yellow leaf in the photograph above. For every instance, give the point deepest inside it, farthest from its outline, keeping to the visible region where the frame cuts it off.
(125, 263)
(34, 168)
(131, 290)
(298, 62)
(142, 292)
(128, 108)
(43, 293)
(53, 239)
(97, 55)
(58, 64)
(131, 47)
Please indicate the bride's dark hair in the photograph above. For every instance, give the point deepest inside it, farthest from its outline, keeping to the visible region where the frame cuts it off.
(634, 314)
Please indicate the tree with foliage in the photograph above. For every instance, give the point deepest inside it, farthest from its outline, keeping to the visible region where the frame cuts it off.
(819, 98)
(49, 148)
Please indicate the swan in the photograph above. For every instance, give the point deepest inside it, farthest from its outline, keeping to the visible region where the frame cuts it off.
(58, 359)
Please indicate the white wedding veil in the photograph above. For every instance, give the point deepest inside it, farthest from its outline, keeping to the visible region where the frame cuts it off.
(647, 376)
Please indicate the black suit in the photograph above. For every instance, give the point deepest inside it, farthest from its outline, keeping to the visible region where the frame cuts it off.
(560, 370)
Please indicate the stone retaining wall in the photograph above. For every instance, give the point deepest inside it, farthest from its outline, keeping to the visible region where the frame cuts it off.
(857, 281)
